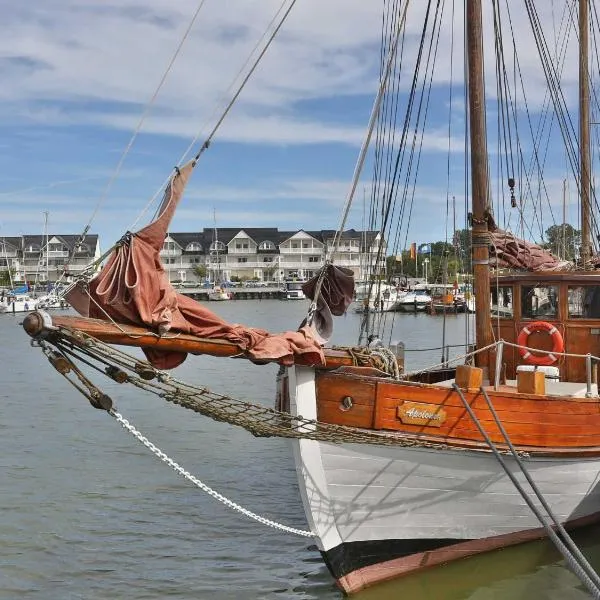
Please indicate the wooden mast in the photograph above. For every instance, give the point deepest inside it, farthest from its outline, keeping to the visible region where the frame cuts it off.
(479, 180)
(584, 132)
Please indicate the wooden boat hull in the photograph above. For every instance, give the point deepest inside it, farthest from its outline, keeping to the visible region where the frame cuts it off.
(380, 512)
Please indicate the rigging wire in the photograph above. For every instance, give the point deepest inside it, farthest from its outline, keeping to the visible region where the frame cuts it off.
(145, 114)
(215, 128)
(240, 87)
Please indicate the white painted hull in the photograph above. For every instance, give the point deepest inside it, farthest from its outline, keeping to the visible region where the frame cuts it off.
(380, 510)
(404, 306)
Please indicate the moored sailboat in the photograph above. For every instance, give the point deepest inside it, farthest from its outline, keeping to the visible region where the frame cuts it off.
(397, 471)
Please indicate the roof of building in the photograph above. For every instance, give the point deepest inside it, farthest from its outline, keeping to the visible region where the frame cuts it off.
(69, 240)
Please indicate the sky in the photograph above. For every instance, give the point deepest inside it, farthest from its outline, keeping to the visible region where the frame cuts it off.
(79, 75)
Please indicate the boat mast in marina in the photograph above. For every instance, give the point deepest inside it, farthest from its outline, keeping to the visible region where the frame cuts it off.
(479, 180)
(584, 133)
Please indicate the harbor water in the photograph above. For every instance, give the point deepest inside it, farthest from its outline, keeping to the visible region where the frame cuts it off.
(86, 512)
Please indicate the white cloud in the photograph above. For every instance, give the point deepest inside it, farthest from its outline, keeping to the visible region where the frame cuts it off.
(100, 61)
(97, 62)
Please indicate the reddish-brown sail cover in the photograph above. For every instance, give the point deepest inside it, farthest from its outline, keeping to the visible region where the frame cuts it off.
(509, 251)
(133, 288)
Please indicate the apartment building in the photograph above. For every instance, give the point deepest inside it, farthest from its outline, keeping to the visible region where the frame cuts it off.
(267, 254)
(47, 258)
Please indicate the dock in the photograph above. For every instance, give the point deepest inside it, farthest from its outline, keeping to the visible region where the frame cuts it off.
(238, 293)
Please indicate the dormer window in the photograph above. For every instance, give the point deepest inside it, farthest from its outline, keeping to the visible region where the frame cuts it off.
(220, 246)
(266, 245)
(193, 247)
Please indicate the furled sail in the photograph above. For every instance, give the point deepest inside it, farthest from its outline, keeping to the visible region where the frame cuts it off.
(509, 251)
(134, 288)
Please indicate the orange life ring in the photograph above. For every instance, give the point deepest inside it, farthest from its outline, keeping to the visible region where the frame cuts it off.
(545, 359)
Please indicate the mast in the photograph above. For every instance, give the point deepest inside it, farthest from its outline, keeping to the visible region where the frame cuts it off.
(479, 180)
(217, 276)
(584, 132)
(46, 240)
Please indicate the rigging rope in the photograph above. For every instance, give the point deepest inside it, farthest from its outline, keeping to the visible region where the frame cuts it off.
(89, 270)
(71, 347)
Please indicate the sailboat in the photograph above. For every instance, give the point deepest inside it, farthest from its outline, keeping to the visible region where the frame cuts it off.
(218, 293)
(397, 471)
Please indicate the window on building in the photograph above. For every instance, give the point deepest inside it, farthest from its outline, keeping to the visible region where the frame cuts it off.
(242, 259)
(194, 247)
(82, 249)
(306, 244)
(266, 245)
(218, 245)
(268, 259)
(584, 302)
(32, 248)
(502, 301)
(539, 301)
(313, 259)
(169, 246)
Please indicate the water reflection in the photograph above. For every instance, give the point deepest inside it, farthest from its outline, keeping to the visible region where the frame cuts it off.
(87, 512)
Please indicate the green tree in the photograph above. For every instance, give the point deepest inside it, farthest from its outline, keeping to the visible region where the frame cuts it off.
(462, 246)
(5, 277)
(563, 241)
(200, 271)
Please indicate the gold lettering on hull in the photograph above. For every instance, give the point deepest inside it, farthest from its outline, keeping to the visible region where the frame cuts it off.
(415, 413)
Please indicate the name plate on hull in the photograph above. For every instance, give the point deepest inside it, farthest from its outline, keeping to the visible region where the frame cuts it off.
(416, 413)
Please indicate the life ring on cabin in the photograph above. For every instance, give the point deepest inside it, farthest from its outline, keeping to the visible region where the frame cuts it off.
(558, 344)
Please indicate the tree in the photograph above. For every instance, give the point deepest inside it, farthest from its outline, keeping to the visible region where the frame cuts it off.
(462, 244)
(269, 273)
(5, 277)
(200, 271)
(563, 241)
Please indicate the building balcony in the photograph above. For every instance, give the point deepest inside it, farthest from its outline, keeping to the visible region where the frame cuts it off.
(176, 252)
(241, 251)
(315, 250)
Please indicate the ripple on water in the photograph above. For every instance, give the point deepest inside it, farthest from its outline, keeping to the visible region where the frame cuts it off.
(86, 512)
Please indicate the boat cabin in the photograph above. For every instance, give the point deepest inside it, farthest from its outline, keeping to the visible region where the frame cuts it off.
(566, 309)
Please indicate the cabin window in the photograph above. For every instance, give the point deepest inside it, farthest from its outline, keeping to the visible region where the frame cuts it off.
(502, 302)
(584, 302)
(539, 301)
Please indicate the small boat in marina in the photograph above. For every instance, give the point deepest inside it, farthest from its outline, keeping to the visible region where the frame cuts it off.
(292, 290)
(448, 298)
(23, 302)
(398, 470)
(415, 300)
(377, 297)
(219, 294)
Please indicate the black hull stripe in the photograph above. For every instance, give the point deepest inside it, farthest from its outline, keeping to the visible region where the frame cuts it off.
(350, 556)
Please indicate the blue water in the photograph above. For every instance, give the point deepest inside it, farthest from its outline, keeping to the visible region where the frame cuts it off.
(86, 512)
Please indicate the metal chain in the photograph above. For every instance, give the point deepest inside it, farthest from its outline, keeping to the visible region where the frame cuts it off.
(205, 488)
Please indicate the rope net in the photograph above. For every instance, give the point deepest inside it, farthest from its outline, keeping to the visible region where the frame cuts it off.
(67, 350)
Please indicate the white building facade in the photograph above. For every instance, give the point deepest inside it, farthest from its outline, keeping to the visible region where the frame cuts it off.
(267, 254)
(46, 258)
